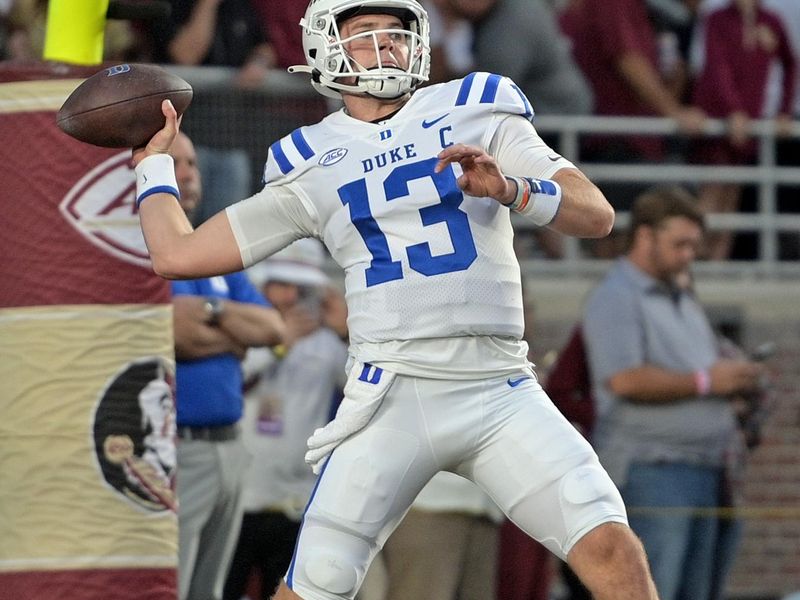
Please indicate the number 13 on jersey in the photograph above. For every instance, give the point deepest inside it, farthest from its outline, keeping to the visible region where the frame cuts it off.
(382, 268)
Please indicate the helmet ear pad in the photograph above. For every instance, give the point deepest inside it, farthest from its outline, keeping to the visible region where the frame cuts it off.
(334, 72)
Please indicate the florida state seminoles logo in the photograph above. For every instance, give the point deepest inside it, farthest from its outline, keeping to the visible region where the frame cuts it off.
(134, 434)
(101, 206)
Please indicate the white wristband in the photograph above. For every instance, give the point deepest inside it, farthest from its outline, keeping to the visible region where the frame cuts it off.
(545, 198)
(155, 175)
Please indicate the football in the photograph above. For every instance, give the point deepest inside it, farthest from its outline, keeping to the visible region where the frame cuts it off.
(120, 106)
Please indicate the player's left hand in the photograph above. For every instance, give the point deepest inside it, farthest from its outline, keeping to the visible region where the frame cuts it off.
(482, 176)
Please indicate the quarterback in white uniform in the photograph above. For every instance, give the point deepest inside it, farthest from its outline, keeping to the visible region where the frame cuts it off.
(411, 192)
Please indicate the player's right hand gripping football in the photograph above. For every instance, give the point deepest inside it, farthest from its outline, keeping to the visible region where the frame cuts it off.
(161, 142)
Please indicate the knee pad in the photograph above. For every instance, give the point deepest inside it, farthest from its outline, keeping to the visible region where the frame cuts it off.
(585, 484)
(332, 573)
(330, 563)
(588, 498)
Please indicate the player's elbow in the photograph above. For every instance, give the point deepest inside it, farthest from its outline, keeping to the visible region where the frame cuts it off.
(603, 221)
(596, 222)
(601, 218)
(168, 268)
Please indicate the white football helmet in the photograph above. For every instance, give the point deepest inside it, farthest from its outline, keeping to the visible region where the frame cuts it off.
(329, 62)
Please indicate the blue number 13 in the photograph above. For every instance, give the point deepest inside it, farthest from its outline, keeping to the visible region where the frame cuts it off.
(382, 268)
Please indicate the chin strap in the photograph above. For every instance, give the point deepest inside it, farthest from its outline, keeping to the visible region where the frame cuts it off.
(301, 69)
(363, 88)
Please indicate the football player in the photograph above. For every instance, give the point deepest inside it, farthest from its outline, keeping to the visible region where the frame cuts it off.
(411, 192)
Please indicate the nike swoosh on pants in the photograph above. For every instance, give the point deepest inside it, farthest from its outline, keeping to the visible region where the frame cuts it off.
(516, 382)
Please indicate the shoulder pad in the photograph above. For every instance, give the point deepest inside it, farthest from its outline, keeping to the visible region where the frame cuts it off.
(287, 155)
(500, 92)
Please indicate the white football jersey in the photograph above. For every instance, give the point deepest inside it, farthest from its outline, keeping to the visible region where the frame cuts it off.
(422, 259)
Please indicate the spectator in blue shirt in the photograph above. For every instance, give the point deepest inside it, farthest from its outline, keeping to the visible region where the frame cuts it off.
(216, 320)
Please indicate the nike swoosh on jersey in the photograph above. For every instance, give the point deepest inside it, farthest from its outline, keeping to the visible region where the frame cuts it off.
(554, 157)
(517, 381)
(427, 124)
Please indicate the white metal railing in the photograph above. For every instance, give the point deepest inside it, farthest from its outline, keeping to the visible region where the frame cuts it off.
(766, 175)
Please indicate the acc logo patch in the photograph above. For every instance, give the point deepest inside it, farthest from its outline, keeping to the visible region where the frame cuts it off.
(102, 208)
(134, 434)
(331, 157)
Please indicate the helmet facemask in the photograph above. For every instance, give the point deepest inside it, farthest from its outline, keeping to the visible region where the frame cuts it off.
(331, 65)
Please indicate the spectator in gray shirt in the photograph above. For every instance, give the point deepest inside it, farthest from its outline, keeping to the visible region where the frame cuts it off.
(664, 416)
(522, 39)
